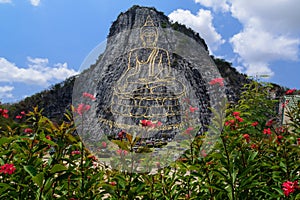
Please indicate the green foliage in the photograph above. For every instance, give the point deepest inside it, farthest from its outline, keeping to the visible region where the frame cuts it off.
(245, 163)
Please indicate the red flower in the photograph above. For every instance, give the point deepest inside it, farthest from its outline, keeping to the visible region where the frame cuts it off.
(76, 152)
(28, 130)
(104, 145)
(239, 119)
(23, 113)
(236, 113)
(217, 81)
(279, 139)
(122, 152)
(188, 130)
(4, 113)
(82, 108)
(298, 141)
(280, 129)
(7, 169)
(291, 91)
(203, 153)
(254, 124)
(229, 122)
(253, 146)
(19, 117)
(267, 131)
(121, 134)
(246, 137)
(113, 183)
(187, 196)
(193, 109)
(158, 123)
(88, 95)
(146, 123)
(209, 163)
(269, 123)
(48, 137)
(289, 187)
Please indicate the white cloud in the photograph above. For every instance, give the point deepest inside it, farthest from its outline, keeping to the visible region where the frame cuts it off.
(257, 48)
(271, 31)
(5, 1)
(215, 4)
(35, 2)
(5, 92)
(37, 73)
(202, 23)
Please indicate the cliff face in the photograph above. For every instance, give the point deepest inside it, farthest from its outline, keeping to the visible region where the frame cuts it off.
(146, 71)
(188, 56)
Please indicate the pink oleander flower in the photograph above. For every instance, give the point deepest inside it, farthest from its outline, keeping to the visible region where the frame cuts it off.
(269, 123)
(267, 131)
(4, 113)
(229, 122)
(76, 152)
(146, 123)
(19, 117)
(193, 109)
(236, 114)
(158, 123)
(121, 134)
(188, 130)
(290, 91)
(23, 113)
(239, 118)
(203, 153)
(215, 81)
(289, 187)
(48, 137)
(28, 130)
(254, 146)
(7, 169)
(113, 183)
(254, 124)
(279, 139)
(82, 108)
(88, 95)
(104, 145)
(246, 137)
(122, 152)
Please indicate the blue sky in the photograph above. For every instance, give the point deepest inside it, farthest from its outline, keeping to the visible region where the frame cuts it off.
(44, 41)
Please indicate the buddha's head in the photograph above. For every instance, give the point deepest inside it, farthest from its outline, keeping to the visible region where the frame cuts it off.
(149, 33)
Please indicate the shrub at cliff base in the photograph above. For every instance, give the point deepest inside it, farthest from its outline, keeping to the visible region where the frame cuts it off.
(255, 157)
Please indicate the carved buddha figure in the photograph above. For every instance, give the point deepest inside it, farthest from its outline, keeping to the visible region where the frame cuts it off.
(147, 89)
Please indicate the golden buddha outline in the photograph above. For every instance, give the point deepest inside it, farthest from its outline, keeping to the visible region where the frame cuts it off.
(147, 89)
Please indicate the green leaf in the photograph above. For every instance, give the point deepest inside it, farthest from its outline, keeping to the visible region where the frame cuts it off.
(49, 142)
(38, 179)
(5, 140)
(121, 144)
(31, 170)
(4, 187)
(58, 168)
(71, 138)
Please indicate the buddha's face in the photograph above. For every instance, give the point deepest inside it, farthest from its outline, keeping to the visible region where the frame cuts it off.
(149, 37)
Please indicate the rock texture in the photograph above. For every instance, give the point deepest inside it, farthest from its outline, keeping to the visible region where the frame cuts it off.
(178, 58)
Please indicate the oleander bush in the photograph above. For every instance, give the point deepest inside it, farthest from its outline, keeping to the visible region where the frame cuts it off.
(253, 157)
